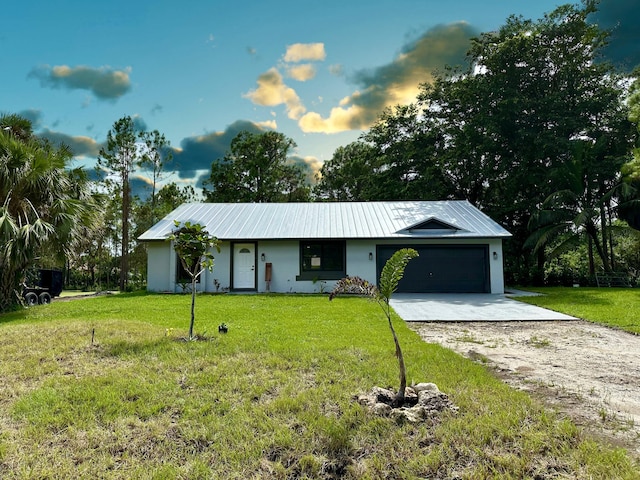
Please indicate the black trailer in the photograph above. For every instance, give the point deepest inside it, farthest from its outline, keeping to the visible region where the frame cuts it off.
(49, 285)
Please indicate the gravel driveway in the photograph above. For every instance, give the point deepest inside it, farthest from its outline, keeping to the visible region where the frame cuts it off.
(589, 372)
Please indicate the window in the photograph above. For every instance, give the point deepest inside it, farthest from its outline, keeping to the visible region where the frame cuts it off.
(322, 260)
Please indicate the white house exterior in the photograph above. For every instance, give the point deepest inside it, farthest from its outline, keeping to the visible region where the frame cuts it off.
(306, 247)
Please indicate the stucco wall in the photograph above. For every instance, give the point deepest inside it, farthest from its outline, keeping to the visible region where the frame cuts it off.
(158, 267)
(284, 257)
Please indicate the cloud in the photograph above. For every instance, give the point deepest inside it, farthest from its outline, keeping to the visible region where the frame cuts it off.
(302, 73)
(197, 153)
(336, 69)
(104, 82)
(139, 125)
(273, 91)
(310, 166)
(81, 146)
(299, 52)
(397, 82)
(270, 124)
(622, 18)
(33, 115)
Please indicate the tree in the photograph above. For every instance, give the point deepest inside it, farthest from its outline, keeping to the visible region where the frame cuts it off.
(119, 159)
(391, 274)
(629, 191)
(347, 176)
(501, 131)
(255, 169)
(571, 213)
(193, 244)
(155, 155)
(127, 149)
(42, 204)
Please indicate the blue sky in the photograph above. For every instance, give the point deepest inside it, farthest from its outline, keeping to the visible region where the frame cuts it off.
(201, 71)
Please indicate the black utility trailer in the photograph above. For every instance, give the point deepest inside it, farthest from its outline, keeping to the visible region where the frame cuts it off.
(49, 286)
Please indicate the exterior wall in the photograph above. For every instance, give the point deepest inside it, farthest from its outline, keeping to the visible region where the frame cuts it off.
(158, 267)
(496, 266)
(285, 259)
(221, 270)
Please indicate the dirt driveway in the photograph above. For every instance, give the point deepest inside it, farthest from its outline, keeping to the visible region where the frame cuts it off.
(587, 371)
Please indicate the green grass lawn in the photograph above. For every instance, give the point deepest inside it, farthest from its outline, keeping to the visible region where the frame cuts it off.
(614, 307)
(273, 398)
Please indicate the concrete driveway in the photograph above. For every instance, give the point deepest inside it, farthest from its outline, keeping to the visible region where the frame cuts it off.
(468, 307)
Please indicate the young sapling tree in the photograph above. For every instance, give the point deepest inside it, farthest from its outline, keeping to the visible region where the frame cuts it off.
(391, 274)
(193, 244)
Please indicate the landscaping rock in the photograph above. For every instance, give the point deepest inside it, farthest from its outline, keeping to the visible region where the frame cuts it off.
(422, 402)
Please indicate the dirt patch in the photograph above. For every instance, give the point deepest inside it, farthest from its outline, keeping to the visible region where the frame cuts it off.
(589, 372)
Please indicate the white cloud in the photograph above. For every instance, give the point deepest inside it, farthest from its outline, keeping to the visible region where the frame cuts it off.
(270, 124)
(299, 52)
(273, 91)
(302, 73)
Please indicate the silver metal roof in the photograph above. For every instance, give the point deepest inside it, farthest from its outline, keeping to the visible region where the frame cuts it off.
(339, 220)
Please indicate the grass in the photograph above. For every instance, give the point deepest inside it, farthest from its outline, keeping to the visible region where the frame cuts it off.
(273, 398)
(614, 307)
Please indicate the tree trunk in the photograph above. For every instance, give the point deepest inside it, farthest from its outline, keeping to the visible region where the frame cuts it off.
(592, 232)
(592, 268)
(193, 307)
(603, 226)
(399, 400)
(124, 250)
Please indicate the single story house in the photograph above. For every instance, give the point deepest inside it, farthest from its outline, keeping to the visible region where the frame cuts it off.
(306, 247)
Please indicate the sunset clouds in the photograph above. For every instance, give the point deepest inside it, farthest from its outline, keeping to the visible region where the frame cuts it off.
(396, 82)
(272, 91)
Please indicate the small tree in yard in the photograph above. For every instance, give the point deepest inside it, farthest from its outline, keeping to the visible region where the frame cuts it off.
(193, 245)
(392, 273)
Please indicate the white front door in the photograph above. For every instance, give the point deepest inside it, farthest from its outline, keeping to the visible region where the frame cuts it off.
(244, 265)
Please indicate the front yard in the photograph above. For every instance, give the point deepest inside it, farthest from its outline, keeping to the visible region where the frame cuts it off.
(273, 398)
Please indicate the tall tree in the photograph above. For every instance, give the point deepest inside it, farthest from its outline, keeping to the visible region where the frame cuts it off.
(255, 169)
(42, 204)
(118, 159)
(128, 148)
(347, 176)
(155, 155)
(501, 131)
(629, 191)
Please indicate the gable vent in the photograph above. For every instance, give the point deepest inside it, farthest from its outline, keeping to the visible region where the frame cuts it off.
(433, 224)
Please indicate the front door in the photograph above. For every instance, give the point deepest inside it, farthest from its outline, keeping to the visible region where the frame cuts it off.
(244, 266)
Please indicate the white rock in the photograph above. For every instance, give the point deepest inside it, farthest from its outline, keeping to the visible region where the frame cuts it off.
(426, 387)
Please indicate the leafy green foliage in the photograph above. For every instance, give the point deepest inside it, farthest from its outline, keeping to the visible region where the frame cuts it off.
(391, 274)
(193, 244)
(256, 169)
(43, 206)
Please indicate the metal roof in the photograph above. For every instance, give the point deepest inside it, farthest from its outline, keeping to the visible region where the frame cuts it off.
(338, 220)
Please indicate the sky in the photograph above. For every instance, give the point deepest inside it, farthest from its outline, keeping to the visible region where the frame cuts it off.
(202, 71)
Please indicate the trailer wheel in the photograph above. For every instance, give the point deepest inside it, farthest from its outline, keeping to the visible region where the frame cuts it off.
(31, 299)
(45, 298)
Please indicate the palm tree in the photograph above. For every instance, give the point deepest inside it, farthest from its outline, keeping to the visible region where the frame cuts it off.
(42, 204)
(391, 274)
(569, 215)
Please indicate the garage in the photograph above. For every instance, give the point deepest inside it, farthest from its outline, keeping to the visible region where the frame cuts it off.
(442, 268)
